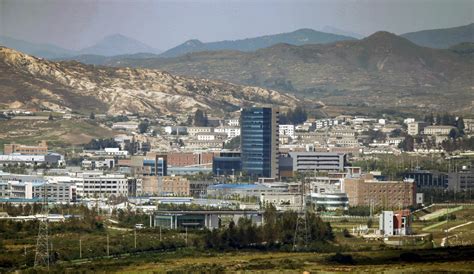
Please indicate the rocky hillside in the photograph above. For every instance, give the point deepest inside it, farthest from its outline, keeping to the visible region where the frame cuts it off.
(29, 82)
(381, 70)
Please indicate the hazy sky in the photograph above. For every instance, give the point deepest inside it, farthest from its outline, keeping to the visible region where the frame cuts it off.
(161, 24)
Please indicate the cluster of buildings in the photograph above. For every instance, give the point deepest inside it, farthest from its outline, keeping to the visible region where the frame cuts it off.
(289, 166)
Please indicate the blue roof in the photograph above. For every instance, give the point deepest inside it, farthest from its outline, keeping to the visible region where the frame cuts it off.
(238, 186)
(20, 200)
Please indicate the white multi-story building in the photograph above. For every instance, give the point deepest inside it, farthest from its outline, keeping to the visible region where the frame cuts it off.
(322, 123)
(192, 131)
(102, 185)
(98, 164)
(287, 130)
(408, 120)
(415, 128)
(131, 126)
(56, 192)
(330, 201)
(322, 184)
(230, 131)
(233, 122)
(175, 129)
(282, 201)
(210, 136)
(438, 130)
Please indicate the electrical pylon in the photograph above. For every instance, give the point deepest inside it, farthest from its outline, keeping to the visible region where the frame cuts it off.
(42, 243)
(304, 230)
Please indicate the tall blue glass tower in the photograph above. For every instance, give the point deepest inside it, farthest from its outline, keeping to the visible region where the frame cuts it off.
(259, 141)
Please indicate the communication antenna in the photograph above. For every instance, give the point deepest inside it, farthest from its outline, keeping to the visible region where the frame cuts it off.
(42, 243)
(304, 230)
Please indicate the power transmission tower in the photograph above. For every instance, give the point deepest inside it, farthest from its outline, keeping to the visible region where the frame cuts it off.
(42, 243)
(304, 230)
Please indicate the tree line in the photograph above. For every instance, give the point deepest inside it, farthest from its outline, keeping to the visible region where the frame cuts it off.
(277, 232)
(294, 116)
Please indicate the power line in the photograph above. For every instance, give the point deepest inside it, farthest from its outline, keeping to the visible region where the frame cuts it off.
(42, 257)
(305, 219)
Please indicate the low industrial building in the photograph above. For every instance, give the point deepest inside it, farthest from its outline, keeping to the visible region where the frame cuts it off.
(239, 190)
(462, 180)
(428, 180)
(32, 160)
(40, 149)
(211, 219)
(330, 201)
(282, 201)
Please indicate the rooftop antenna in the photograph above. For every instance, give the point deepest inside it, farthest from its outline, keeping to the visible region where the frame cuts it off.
(42, 243)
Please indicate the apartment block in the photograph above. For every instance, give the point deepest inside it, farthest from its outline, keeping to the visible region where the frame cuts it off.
(365, 191)
(415, 128)
(173, 186)
(189, 158)
(438, 130)
(192, 131)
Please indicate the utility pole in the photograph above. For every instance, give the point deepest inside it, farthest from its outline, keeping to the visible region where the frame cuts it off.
(42, 243)
(108, 249)
(160, 233)
(135, 236)
(80, 248)
(186, 236)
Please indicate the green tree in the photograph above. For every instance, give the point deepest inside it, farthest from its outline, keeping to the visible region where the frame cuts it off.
(454, 134)
(143, 126)
(408, 144)
(460, 125)
(233, 143)
(200, 118)
(50, 117)
(92, 116)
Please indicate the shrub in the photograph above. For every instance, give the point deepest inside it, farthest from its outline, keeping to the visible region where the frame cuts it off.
(410, 257)
(341, 258)
(346, 233)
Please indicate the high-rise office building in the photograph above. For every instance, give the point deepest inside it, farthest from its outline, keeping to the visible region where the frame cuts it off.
(259, 141)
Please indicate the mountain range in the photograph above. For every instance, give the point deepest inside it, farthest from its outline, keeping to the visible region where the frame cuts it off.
(117, 45)
(110, 45)
(381, 70)
(30, 82)
(442, 38)
(298, 37)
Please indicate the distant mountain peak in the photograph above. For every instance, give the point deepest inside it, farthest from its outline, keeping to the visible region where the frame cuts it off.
(116, 36)
(193, 43)
(117, 44)
(385, 37)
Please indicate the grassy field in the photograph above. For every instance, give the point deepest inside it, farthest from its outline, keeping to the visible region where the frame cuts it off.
(389, 261)
(172, 253)
(57, 132)
(439, 212)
